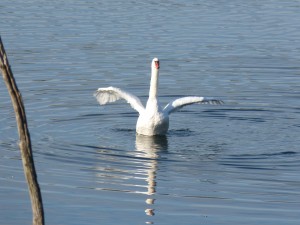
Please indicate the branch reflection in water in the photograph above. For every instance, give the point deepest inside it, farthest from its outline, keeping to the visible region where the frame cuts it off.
(149, 147)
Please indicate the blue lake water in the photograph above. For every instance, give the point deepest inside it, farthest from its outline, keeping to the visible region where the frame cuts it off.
(237, 163)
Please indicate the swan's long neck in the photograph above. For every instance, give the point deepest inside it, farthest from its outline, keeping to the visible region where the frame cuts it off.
(153, 84)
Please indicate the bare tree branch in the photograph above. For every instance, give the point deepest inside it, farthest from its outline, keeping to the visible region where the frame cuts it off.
(24, 136)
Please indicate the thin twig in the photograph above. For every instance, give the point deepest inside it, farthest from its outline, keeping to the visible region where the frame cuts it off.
(24, 136)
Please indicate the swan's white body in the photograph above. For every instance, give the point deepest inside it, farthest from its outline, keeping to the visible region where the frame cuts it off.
(153, 120)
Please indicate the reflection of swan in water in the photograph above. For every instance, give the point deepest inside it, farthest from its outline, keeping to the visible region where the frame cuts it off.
(149, 147)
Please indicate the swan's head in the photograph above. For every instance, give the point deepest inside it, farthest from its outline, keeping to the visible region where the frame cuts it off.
(155, 64)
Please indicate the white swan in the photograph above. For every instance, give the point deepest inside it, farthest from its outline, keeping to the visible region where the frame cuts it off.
(153, 120)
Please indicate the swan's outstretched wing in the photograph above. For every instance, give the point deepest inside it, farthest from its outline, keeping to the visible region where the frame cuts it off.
(181, 102)
(112, 94)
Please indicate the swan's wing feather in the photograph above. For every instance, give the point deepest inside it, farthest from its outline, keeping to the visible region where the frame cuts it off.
(177, 104)
(112, 94)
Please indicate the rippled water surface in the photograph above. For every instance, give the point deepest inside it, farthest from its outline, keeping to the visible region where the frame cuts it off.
(237, 163)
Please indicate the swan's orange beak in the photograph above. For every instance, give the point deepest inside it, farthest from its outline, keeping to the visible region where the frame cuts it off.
(157, 64)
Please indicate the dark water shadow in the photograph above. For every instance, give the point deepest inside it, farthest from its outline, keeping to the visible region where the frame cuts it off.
(181, 132)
